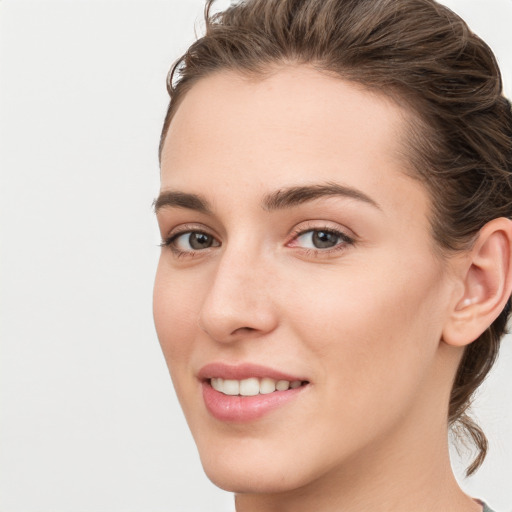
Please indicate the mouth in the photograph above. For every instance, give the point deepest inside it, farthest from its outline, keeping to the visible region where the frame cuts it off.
(253, 386)
(247, 392)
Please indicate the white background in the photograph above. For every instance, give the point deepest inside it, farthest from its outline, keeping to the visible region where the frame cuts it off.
(88, 418)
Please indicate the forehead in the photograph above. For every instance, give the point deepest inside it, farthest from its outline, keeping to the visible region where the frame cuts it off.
(292, 101)
(294, 126)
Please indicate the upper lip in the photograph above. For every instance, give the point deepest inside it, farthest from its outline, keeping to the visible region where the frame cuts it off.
(243, 371)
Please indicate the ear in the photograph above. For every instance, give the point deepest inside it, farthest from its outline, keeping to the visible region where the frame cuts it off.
(487, 284)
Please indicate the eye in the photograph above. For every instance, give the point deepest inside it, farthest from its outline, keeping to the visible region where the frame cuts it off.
(191, 241)
(318, 239)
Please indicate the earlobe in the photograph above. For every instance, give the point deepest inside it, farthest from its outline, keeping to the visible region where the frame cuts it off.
(487, 284)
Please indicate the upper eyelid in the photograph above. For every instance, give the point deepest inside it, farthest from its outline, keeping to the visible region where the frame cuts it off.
(294, 232)
(190, 228)
(324, 228)
(345, 239)
(174, 236)
(319, 225)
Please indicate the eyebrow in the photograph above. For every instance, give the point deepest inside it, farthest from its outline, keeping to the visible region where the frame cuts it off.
(176, 199)
(278, 200)
(293, 196)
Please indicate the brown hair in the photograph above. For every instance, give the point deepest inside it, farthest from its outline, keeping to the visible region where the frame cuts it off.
(417, 52)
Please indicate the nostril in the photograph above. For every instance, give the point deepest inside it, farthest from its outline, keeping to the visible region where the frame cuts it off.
(244, 329)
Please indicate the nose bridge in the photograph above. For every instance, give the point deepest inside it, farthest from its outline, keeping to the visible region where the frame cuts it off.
(238, 301)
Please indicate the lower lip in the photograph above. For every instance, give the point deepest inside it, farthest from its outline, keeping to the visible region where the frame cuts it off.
(245, 408)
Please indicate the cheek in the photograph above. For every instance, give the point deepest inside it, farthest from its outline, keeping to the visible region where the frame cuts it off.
(174, 310)
(374, 333)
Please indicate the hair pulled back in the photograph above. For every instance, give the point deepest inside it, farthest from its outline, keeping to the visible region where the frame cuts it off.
(417, 52)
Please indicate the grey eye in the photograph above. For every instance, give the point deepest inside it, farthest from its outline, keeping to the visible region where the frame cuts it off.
(200, 240)
(319, 239)
(324, 239)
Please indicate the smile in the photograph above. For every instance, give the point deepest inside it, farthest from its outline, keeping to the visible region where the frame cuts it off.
(252, 386)
(247, 392)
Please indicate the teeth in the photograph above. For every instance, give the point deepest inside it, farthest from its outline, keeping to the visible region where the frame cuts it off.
(267, 386)
(216, 384)
(252, 386)
(231, 387)
(249, 387)
(282, 385)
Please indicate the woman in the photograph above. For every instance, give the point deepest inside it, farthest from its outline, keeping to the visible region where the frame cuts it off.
(336, 268)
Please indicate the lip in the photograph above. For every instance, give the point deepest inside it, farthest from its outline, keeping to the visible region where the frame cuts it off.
(244, 371)
(242, 409)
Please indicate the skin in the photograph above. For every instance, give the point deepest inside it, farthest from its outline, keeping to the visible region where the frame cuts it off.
(363, 322)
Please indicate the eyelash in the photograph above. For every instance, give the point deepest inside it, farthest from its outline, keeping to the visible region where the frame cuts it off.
(341, 245)
(344, 241)
(169, 241)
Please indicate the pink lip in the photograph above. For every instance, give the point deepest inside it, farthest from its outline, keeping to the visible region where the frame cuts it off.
(244, 408)
(243, 371)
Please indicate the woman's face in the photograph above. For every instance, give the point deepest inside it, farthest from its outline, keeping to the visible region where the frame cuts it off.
(297, 253)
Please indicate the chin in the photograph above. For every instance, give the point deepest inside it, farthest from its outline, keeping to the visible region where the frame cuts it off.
(251, 466)
(243, 479)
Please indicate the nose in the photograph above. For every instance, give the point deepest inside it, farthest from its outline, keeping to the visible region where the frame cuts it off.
(239, 302)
